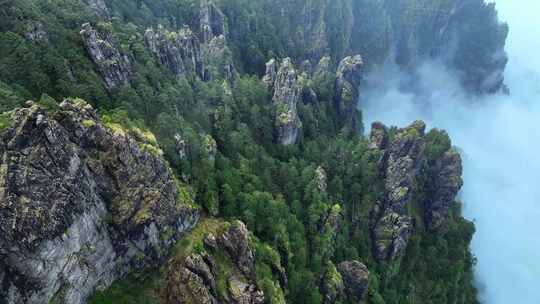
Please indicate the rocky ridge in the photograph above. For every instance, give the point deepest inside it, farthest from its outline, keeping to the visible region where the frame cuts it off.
(81, 204)
(179, 51)
(289, 85)
(402, 156)
(114, 67)
(401, 159)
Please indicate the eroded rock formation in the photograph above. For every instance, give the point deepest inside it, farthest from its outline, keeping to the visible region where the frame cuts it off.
(226, 258)
(81, 204)
(401, 159)
(445, 183)
(114, 67)
(348, 78)
(286, 94)
(355, 277)
(402, 154)
(179, 51)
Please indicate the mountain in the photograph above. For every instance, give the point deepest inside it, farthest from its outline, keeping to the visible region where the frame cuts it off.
(198, 151)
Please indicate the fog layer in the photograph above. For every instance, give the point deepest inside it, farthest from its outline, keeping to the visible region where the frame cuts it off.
(500, 140)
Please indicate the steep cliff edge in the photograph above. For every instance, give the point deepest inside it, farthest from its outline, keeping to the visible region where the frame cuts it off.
(415, 178)
(81, 204)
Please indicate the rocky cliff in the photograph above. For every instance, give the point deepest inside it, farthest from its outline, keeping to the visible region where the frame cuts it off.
(203, 53)
(402, 164)
(114, 67)
(81, 204)
(179, 51)
(283, 80)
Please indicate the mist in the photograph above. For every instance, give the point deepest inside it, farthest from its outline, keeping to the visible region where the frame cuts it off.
(499, 137)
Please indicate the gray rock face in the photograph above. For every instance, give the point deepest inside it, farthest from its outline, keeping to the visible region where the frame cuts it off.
(179, 51)
(195, 279)
(401, 158)
(80, 205)
(207, 57)
(348, 78)
(114, 67)
(446, 181)
(286, 94)
(235, 241)
(99, 7)
(212, 21)
(219, 59)
(270, 74)
(355, 277)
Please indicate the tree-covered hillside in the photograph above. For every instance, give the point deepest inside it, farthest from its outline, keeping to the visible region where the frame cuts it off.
(247, 111)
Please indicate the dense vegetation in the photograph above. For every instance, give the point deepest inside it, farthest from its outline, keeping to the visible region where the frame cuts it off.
(269, 187)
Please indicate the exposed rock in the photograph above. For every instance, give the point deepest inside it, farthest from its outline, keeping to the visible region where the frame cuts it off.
(181, 146)
(179, 51)
(323, 66)
(219, 58)
(35, 32)
(244, 293)
(356, 280)
(195, 279)
(400, 164)
(285, 98)
(332, 287)
(445, 183)
(212, 21)
(210, 146)
(80, 205)
(348, 78)
(392, 234)
(321, 179)
(99, 7)
(115, 67)
(270, 76)
(235, 241)
(378, 138)
(447, 31)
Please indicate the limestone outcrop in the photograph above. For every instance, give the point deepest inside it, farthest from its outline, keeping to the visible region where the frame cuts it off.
(114, 67)
(81, 204)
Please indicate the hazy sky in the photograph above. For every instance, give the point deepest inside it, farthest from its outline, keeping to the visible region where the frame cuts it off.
(500, 140)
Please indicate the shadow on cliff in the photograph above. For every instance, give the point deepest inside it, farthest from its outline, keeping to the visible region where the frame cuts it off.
(499, 137)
